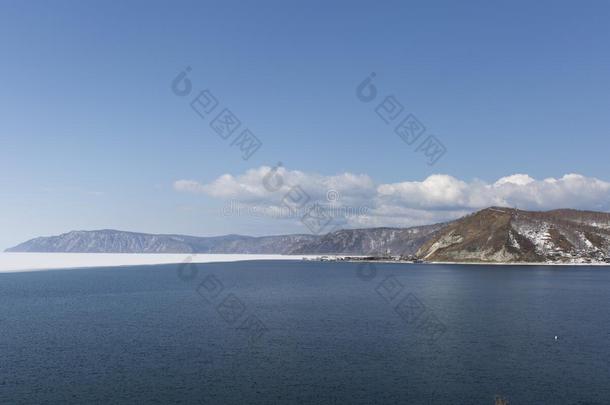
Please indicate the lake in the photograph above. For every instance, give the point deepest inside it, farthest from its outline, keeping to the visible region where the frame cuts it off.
(264, 332)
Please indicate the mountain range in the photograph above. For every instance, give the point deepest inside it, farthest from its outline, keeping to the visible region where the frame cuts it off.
(494, 235)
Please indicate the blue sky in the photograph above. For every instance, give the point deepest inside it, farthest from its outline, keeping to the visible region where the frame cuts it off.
(93, 137)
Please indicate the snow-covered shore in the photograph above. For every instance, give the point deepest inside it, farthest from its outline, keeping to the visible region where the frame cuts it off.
(524, 263)
(394, 261)
(17, 262)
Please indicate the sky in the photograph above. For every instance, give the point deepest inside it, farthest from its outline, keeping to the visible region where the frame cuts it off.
(98, 131)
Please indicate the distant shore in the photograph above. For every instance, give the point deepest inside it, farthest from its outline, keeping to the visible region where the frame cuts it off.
(364, 259)
(24, 262)
(21, 262)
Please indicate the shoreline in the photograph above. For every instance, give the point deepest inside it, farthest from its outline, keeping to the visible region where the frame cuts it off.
(343, 259)
(17, 262)
(524, 264)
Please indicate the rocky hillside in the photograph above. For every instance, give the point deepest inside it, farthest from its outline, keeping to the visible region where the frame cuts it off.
(375, 241)
(509, 235)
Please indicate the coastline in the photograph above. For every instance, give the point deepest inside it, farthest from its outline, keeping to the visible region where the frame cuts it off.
(15, 262)
(522, 264)
(390, 261)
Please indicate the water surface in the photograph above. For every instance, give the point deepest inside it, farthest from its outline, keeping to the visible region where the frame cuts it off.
(306, 332)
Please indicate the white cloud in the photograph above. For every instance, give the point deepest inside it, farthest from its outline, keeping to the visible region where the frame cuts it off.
(437, 192)
(518, 179)
(261, 185)
(439, 197)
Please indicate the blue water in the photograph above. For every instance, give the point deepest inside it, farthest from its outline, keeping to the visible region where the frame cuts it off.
(305, 332)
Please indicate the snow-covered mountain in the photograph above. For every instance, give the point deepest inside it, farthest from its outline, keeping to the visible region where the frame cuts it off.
(509, 235)
(354, 241)
(373, 241)
(498, 235)
(112, 241)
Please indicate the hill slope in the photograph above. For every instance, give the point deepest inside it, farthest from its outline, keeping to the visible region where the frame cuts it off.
(400, 241)
(503, 235)
(112, 241)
